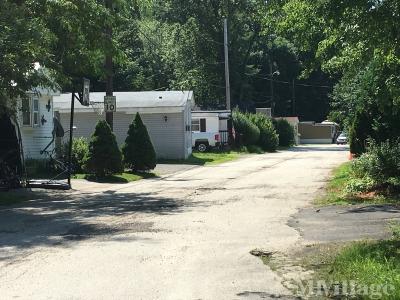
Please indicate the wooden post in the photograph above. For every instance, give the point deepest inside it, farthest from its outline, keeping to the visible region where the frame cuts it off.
(109, 68)
(71, 131)
(227, 81)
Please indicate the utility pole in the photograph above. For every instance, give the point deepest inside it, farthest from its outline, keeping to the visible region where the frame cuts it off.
(293, 98)
(109, 66)
(227, 83)
(271, 83)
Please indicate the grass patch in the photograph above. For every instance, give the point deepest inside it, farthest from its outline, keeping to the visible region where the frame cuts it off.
(335, 193)
(118, 178)
(370, 265)
(205, 158)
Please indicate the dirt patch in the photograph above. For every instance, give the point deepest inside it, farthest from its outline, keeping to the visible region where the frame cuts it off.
(301, 266)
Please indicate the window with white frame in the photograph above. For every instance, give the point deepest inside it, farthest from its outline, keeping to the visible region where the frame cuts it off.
(30, 111)
(196, 125)
(35, 111)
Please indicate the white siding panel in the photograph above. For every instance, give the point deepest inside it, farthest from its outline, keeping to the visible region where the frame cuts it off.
(168, 137)
(85, 124)
(35, 139)
(187, 128)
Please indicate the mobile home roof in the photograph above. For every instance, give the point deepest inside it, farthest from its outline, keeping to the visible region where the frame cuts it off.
(129, 100)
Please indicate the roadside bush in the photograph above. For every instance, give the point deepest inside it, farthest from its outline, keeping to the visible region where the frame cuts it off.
(80, 151)
(104, 157)
(138, 149)
(247, 133)
(285, 132)
(268, 140)
(359, 185)
(381, 164)
(359, 132)
(254, 149)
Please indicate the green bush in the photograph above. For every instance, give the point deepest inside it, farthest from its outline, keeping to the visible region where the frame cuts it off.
(138, 150)
(268, 140)
(359, 185)
(247, 133)
(254, 149)
(359, 132)
(381, 164)
(104, 157)
(285, 132)
(80, 151)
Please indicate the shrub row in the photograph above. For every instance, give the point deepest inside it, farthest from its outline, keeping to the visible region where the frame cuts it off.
(101, 156)
(285, 132)
(254, 130)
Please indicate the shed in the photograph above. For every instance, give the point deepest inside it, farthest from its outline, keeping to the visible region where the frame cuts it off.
(166, 114)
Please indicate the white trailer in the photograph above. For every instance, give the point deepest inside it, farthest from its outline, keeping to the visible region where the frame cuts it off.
(210, 128)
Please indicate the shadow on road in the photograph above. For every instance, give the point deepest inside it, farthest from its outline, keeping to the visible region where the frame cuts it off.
(375, 208)
(60, 219)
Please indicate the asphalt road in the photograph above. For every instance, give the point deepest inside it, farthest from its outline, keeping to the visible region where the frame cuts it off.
(182, 236)
(345, 223)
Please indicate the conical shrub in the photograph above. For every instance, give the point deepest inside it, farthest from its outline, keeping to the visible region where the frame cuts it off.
(138, 149)
(104, 157)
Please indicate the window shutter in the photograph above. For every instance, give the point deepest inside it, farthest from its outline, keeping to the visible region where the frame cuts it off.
(203, 125)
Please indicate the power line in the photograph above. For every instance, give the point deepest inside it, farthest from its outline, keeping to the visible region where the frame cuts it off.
(298, 84)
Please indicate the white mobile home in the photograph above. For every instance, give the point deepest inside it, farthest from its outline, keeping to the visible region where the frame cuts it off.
(166, 114)
(215, 121)
(35, 118)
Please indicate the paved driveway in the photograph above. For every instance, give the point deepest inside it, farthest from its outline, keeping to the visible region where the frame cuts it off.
(183, 236)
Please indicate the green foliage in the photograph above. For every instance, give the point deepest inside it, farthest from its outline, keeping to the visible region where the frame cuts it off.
(79, 155)
(371, 264)
(138, 149)
(24, 40)
(58, 36)
(347, 187)
(178, 44)
(247, 133)
(380, 166)
(268, 140)
(255, 149)
(360, 131)
(359, 185)
(285, 132)
(342, 38)
(104, 157)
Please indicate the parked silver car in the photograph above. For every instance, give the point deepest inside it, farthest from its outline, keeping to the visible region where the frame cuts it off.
(342, 139)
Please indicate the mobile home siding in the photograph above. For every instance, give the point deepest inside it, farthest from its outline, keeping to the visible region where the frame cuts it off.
(316, 133)
(35, 139)
(84, 122)
(168, 137)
